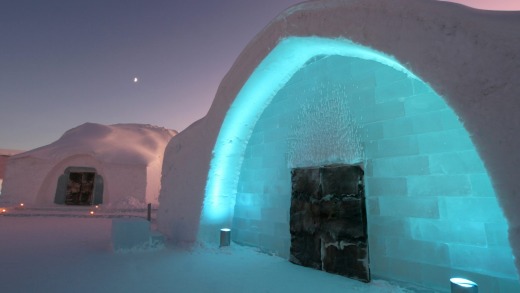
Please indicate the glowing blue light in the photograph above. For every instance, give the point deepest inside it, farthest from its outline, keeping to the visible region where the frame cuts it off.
(413, 143)
(460, 285)
(256, 94)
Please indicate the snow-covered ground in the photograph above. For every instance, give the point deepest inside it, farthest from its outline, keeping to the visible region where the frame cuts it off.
(60, 250)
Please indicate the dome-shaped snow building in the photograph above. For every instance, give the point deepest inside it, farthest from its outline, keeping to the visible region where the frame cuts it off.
(117, 165)
(363, 137)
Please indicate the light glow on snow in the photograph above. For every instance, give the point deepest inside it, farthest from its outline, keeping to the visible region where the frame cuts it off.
(256, 94)
(463, 283)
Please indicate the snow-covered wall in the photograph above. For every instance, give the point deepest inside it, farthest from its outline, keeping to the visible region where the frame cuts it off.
(468, 57)
(3, 162)
(127, 156)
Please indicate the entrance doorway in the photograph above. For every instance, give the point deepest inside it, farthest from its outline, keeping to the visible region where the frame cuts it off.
(80, 188)
(328, 220)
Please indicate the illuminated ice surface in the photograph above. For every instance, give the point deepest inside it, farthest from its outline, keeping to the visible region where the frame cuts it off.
(432, 208)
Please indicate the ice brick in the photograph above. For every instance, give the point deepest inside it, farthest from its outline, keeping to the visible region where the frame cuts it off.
(372, 131)
(430, 252)
(462, 232)
(388, 75)
(481, 185)
(456, 163)
(274, 214)
(401, 166)
(439, 185)
(497, 235)
(400, 146)
(418, 207)
(479, 209)
(397, 127)
(420, 87)
(435, 121)
(384, 226)
(424, 102)
(377, 186)
(247, 212)
(246, 237)
(444, 141)
(491, 261)
(397, 90)
(383, 111)
(130, 233)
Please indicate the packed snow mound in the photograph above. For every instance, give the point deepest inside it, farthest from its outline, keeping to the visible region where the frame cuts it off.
(118, 143)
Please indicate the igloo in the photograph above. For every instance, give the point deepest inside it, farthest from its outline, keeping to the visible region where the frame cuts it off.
(417, 101)
(117, 165)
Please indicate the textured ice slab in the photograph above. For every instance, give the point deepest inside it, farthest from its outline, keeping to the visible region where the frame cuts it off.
(129, 234)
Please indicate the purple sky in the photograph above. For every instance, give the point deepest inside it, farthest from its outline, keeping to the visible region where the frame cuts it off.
(66, 62)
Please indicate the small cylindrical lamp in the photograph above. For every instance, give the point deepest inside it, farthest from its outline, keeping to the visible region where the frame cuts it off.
(460, 285)
(225, 237)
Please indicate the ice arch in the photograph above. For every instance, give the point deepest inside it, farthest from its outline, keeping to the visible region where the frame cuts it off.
(467, 56)
(269, 77)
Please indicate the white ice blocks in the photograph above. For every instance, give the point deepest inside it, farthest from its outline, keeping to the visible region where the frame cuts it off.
(130, 234)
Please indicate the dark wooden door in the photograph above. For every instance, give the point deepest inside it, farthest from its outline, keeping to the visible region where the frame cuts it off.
(328, 220)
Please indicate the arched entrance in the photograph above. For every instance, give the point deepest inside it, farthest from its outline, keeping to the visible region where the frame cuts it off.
(79, 186)
(315, 101)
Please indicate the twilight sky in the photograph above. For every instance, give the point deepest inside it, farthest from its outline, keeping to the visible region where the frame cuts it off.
(67, 62)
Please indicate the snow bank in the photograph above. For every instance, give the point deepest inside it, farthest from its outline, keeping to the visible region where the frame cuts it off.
(127, 156)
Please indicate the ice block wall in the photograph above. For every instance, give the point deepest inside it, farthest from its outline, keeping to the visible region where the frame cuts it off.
(432, 211)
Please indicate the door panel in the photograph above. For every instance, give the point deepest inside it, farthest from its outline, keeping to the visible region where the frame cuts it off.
(328, 220)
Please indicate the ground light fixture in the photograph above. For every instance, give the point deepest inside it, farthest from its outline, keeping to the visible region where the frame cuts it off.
(461, 285)
(225, 237)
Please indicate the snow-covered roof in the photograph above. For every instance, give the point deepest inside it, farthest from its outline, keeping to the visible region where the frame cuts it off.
(9, 152)
(118, 143)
